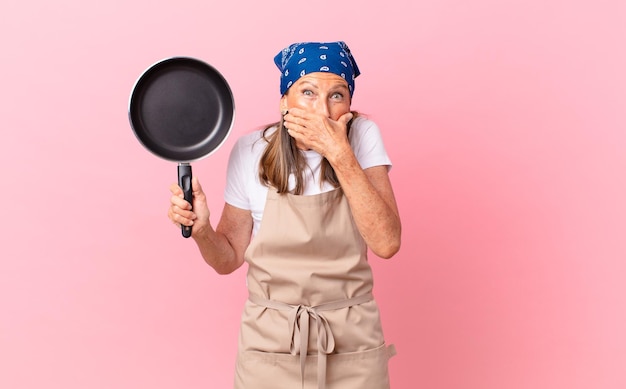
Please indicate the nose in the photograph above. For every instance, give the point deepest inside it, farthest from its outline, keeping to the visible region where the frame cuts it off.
(323, 107)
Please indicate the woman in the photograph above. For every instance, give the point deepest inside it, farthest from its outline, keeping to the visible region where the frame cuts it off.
(305, 198)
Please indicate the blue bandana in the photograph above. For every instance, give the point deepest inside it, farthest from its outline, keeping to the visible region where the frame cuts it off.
(303, 58)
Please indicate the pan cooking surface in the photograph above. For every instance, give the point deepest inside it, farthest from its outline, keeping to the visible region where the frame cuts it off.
(181, 109)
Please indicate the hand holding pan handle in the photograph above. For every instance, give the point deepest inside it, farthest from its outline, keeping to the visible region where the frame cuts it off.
(181, 109)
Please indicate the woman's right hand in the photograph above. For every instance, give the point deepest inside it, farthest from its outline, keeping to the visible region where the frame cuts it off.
(180, 211)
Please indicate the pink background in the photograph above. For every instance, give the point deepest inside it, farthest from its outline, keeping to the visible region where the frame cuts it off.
(506, 124)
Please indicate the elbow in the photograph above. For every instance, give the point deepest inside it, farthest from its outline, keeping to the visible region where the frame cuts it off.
(224, 268)
(388, 253)
(392, 244)
(389, 249)
(223, 271)
(388, 246)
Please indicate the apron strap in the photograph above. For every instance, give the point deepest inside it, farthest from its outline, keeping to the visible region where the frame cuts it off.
(299, 318)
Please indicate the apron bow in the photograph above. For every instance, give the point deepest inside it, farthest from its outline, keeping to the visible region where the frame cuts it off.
(299, 326)
(299, 322)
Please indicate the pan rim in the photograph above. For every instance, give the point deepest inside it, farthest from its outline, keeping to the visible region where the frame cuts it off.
(226, 129)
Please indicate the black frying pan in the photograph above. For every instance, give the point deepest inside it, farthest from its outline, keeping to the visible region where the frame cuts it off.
(182, 110)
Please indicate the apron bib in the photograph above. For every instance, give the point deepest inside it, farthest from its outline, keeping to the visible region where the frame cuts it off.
(311, 320)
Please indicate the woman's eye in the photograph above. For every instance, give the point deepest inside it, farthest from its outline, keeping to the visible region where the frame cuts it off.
(337, 96)
(307, 92)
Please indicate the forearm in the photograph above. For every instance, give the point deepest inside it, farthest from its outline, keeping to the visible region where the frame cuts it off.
(216, 250)
(372, 204)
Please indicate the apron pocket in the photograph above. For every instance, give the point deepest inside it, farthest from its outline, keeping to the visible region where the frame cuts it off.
(354, 370)
(362, 369)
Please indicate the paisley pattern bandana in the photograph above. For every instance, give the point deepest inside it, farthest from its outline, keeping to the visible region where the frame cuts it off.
(299, 59)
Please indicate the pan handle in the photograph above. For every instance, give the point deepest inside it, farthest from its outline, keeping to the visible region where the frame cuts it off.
(184, 181)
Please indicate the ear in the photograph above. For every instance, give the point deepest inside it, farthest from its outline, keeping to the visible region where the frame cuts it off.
(283, 105)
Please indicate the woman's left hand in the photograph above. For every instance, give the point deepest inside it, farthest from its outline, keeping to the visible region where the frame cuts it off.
(317, 132)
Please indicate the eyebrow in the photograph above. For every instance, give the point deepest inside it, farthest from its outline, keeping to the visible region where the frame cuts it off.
(336, 86)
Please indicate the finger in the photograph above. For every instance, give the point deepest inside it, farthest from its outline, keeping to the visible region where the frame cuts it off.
(181, 214)
(180, 202)
(170, 215)
(345, 118)
(179, 220)
(289, 122)
(296, 119)
(296, 126)
(295, 112)
(176, 190)
(196, 187)
(292, 133)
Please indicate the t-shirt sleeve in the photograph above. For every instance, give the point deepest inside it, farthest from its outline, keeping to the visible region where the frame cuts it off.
(367, 143)
(235, 192)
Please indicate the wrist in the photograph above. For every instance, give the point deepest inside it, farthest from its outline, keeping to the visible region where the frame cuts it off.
(344, 156)
(201, 231)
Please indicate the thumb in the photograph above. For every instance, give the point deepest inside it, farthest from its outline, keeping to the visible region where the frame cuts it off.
(196, 187)
(345, 118)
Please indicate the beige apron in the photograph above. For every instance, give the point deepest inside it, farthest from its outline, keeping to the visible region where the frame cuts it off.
(311, 321)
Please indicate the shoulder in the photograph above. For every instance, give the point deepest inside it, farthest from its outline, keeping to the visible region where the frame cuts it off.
(250, 146)
(252, 139)
(363, 127)
(242, 181)
(367, 143)
(364, 130)
(363, 121)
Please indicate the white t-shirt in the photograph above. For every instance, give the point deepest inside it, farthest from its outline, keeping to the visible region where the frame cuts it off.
(244, 189)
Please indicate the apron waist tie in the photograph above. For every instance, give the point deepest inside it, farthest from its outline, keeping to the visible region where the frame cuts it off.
(299, 317)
